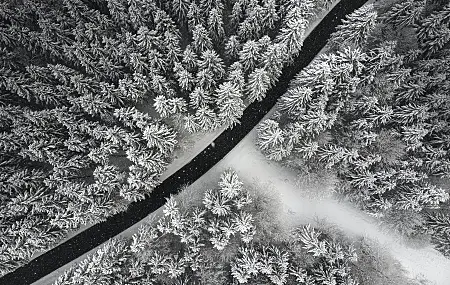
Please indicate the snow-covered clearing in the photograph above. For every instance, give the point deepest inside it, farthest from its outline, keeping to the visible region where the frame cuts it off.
(250, 163)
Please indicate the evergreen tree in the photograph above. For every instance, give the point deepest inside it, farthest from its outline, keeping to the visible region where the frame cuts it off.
(180, 8)
(249, 55)
(207, 118)
(258, 84)
(216, 25)
(433, 31)
(199, 98)
(273, 60)
(292, 32)
(405, 13)
(210, 61)
(231, 105)
(252, 25)
(356, 27)
(200, 39)
(232, 47)
(295, 101)
(194, 16)
(160, 136)
(438, 226)
(271, 140)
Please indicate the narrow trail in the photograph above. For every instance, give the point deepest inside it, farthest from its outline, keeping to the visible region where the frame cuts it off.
(250, 164)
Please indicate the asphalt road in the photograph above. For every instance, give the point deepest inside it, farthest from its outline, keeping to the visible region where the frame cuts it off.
(99, 233)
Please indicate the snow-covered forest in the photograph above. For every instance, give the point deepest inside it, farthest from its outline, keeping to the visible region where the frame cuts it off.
(373, 110)
(96, 95)
(218, 243)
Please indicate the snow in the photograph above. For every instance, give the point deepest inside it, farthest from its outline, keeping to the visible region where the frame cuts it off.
(298, 205)
(299, 208)
(190, 146)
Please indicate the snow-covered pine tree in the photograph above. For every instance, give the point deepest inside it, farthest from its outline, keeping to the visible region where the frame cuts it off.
(295, 100)
(356, 27)
(273, 61)
(292, 32)
(230, 103)
(433, 31)
(232, 47)
(249, 55)
(200, 39)
(405, 13)
(216, 25)
(272, 140)
(258, 85)
(438, 226)
(211, 62)
(207, 119)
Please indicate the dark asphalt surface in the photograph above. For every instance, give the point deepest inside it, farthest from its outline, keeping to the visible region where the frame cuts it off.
(99, 233)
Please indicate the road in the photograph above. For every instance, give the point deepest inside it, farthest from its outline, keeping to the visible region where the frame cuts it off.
(99, 233)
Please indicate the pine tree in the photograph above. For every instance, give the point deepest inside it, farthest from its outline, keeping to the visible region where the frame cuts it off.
(258, 84)
(207, 118)
(271, 140)
(200, 39)
(438, 226)
(190, 124)
(246, 266)
(252, 25)
(210, 61)
(273, 60)
(295, 100)
(160, 136)
(249, 55)
(230, 185)
(185, 79)
(180, 8)
(356, 27)
(413, 136)
(231, 105)
(118, 11)
(236, 75)
(199, 98)
(417, 197)
(216, 25)
(405, 13)
(169, 106)
(218, 204)
(292, 32)
(270, 14)
(433, 31)
(194, 16)
(232, 47)
(205, 79)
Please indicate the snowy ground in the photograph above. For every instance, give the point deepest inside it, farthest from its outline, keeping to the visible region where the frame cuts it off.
(421, 263)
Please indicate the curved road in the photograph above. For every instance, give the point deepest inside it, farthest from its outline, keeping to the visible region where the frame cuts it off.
(99, 233)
